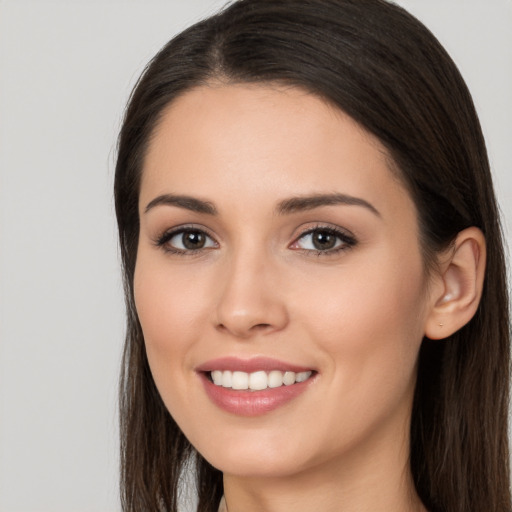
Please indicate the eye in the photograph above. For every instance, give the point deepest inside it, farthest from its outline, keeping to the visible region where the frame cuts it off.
(324, 240)
(186, 240)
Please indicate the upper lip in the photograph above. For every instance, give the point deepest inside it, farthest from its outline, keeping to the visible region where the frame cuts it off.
(250, 365)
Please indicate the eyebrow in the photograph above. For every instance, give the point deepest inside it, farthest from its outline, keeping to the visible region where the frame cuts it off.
(302, 203)
(187, 202)
(287, 206)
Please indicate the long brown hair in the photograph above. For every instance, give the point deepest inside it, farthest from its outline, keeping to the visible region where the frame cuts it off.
(381, 66)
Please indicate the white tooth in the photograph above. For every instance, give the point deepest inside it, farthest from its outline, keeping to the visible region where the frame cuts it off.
(302, 376)
(217, 377)
(275, 379)
(240, 380)
(227, 379)
(289, 378)
(258, 381)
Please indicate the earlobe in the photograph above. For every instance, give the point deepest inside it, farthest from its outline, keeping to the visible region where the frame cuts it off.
(457, 294)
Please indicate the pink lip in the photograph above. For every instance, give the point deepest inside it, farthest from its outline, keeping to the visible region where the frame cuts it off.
(250, 365)
(251, 403)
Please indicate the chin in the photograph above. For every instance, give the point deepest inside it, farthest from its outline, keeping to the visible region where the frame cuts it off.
(265, 456)
(251, 466)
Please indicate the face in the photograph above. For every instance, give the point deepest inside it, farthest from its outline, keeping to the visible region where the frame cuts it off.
(278, 257)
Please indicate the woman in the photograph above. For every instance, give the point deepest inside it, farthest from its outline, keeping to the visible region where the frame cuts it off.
(315, 282)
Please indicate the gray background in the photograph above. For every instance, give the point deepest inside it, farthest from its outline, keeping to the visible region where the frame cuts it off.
(66, 69)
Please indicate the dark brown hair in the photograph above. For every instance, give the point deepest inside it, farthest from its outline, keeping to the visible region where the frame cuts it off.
(381, 66)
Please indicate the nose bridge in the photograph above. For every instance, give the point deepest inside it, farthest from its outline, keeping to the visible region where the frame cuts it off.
(249, 301)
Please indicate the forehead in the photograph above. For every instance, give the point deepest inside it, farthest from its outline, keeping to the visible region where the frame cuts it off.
(258, 142)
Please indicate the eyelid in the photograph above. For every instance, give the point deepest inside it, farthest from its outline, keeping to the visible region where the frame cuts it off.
(161, 240)
(348, 239)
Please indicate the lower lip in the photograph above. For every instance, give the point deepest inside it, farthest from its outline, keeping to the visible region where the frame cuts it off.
(252, 403)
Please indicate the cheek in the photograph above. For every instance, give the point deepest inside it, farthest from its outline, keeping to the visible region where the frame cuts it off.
(171, 313)
(369, 321)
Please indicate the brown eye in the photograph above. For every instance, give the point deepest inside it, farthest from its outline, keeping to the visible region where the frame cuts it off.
(193, 240)
(324, 240)
(186, 241)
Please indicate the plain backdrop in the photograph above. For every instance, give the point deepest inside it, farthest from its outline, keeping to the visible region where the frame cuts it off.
(66, 69)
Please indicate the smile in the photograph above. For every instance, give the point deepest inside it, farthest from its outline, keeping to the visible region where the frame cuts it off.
(257, 381)
(255, 386)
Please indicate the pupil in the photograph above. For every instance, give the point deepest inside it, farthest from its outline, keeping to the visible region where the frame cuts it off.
(193, 240)
(323, 240)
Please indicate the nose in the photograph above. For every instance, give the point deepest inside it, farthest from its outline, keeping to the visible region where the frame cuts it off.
(250, 300)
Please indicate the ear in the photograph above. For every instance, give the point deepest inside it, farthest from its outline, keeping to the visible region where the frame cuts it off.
(457, 290)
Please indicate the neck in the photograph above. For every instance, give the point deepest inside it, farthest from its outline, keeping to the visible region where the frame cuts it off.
(375, 478)
(305, 493)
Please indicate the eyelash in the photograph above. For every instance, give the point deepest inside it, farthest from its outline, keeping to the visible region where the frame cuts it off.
(167, 236)
(347, 241)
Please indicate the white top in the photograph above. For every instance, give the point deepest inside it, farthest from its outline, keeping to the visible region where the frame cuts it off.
(222, 505)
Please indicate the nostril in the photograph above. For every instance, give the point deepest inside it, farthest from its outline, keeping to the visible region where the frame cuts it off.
(244, 331)
(260, 327)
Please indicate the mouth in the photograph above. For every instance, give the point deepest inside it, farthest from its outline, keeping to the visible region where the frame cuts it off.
(254, 387)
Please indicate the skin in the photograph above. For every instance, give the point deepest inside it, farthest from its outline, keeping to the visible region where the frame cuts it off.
(356, 316)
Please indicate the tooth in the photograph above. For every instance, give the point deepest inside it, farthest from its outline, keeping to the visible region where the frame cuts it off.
(275, 379)
(240, 380)
(217, 377)
(289, 378)
(258, 381)
(302, 376)
(227, 379)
